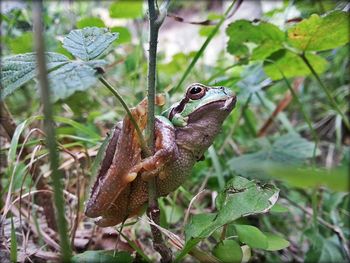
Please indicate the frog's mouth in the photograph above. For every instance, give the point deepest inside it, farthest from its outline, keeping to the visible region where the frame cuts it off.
(229, 103)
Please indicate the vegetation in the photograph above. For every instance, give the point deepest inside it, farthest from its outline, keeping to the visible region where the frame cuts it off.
(274, 185)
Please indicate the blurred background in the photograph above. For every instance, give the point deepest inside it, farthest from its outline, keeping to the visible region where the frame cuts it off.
(284, 122)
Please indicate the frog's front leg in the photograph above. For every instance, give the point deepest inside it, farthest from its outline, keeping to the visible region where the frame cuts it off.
(165, 150)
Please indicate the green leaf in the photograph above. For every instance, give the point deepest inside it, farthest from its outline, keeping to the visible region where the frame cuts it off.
(19, 69)
(228, 251)
(89, 43)
(72, 77)
(22, 44)
(251, 236)
(289, 149)
(126, 9)
(124, 34)
(292, 65)
(335, 179)
(197, 224)
(275, 242)
(267, 38)
(103, 256)
(240, 198)
(90, 22)
(320, 33)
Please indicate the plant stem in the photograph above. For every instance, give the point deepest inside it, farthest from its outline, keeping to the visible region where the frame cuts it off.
(325, 89)
(50, 132)
(155, 21)
(206, 43)
(143, 144)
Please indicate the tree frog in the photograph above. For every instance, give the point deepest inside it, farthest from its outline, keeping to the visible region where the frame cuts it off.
(182, 134)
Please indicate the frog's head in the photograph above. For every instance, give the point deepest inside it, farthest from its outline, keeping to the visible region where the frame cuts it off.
(200, 114)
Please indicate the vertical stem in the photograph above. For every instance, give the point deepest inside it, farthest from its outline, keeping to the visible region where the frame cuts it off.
(155, 21)
(325, 89)
(50, 132)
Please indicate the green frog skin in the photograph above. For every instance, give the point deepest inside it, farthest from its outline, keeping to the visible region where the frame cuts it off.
(183, 133)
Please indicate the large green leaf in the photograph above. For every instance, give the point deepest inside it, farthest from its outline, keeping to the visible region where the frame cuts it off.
(320, 33)
(265, 36)
(74, 76)
(289, 149)
(19, 69)
(291, 65)
(102, 256)
(126, 9)
(89, 43)
(241, 197)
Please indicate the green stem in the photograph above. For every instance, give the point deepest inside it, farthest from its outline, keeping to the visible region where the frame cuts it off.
(325, 89)
(56, 174)
(144, 147)
(205, 44)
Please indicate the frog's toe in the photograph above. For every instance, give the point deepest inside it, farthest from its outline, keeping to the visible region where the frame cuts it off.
(108, 221)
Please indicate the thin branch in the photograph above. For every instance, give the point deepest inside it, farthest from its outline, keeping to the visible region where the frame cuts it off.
(143, 144)
(50, 131)
(156, 18)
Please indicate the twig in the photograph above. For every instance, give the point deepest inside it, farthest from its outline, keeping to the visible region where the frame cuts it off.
(50, 131)
(156, 18)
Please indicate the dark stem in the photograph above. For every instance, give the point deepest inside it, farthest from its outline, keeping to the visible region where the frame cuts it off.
(155, 21)
(50, 132)
(326, 91)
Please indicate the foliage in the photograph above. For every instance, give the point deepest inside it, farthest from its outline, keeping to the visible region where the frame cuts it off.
(237, 217)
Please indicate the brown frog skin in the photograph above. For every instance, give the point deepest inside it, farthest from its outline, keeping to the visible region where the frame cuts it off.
(183, 134)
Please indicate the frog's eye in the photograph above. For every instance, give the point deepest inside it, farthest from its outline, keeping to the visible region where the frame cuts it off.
(196, 92)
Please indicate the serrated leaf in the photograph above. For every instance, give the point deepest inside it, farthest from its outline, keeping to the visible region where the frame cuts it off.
(320, 33)
(265, 36)
(89, 43)
(251, 236)
(90, 22)
(19, 69)
(289, 149)
(72, 77)
(275, 242)
(126, 9)
(292, 65)
(228, 251)
(103, 256)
